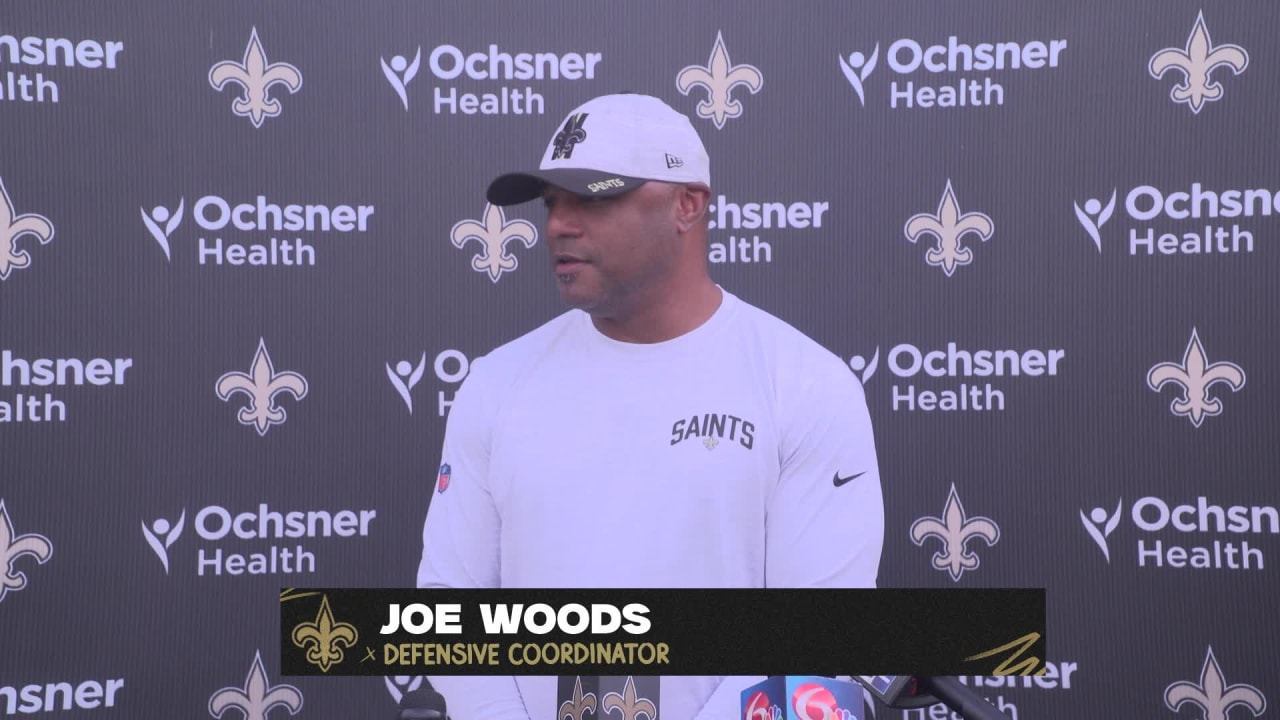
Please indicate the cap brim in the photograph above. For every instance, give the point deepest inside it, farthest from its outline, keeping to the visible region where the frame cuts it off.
(519, 187)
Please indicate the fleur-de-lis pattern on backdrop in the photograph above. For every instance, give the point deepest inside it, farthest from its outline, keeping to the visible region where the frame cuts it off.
(494, 235)
(257, 697)
(955, 530)
(719, 78)
(14, 226)
(948, 227)
(256, 77)
(1196, 377)
(1196, 63)
(261, 385)
(943, 250)
(1212, 696)
(13, 548)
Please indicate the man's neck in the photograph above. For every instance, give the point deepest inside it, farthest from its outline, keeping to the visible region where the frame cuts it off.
(666, 317)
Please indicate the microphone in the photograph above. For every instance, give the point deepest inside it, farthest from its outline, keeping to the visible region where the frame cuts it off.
(802, 697)
(908, 691)
(422, 704)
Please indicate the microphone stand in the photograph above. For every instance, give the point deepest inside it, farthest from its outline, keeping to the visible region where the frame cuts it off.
(957, 696)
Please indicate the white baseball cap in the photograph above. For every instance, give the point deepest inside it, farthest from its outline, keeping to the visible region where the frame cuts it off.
(611, 145)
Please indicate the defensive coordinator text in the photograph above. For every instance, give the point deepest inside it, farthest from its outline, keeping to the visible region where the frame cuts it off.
(598, 653)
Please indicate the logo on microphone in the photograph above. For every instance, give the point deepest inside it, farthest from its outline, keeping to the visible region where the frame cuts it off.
(258, 697)
(1212, 695)
(812, 701)
(955, 529)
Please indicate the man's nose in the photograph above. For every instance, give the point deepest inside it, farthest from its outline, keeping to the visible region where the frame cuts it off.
(562, 219)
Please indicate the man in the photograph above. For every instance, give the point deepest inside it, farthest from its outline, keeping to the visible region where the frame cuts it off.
(662, 433)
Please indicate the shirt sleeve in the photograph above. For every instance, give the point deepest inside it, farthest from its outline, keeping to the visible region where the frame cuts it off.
(726, 702)
(460, 543)
(825, 519)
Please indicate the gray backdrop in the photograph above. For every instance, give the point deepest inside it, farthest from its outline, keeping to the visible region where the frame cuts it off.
(1072, 482)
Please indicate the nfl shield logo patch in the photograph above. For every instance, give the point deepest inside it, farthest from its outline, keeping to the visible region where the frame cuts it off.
(442, 482)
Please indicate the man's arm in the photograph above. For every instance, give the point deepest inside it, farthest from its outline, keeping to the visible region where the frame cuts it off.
(460, 543)
(825, 519)
(818, 534)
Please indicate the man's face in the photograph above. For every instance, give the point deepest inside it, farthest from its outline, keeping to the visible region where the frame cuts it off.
(609, 253)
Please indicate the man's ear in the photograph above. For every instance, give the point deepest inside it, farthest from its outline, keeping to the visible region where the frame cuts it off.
(692, 202)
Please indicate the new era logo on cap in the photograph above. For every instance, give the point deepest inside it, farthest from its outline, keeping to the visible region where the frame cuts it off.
(610, 145)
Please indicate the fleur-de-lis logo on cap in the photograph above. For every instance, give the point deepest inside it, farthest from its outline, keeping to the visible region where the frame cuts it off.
(577, 706)
(12, 547)
(1212, 694)
(323, 638)
(570, 135)
(14, 226)
(258, 697)
(256, 76)
(1195, 376)
(948, 226)
(719, 77)
(631, 706)
(955, 530)
(494, 236)
(1197, 63)
(261, 384)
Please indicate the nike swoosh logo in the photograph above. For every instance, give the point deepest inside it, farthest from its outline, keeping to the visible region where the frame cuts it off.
(838, 481)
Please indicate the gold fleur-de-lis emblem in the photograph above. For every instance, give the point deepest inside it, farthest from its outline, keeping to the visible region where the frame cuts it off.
(12, 547)
(710, 443)
(256, 77)
(631, 706)
(1197, 63)
(261, 384)
(577, 706)
(14, 226)
(719, 77)
(258, 697)
(955, 530)
(948, 226)
(494, 235)
(323, 638)
(1212, 694)
(1195, 376)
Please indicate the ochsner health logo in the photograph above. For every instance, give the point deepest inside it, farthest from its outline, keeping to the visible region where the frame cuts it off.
(968, 72)
(255, 233)
(1196, 64)
(1182, 220)
(1170, 528)
(452, 65)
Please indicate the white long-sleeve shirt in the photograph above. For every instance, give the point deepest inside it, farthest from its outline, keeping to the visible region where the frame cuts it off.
(706, 461)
